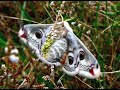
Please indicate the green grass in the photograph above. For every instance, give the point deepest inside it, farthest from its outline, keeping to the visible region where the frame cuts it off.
(102, 19)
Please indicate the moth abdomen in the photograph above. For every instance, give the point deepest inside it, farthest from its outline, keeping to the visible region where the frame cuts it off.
(57, 50)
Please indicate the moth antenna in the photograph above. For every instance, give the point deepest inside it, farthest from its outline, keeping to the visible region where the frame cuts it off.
(59, 17)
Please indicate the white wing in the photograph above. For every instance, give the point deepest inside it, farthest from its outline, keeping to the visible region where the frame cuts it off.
(82, 58)
(79, 59)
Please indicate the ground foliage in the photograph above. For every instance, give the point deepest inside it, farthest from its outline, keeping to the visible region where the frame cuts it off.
(96, 23)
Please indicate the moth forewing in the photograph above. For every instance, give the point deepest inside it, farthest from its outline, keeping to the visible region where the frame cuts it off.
(46, 30)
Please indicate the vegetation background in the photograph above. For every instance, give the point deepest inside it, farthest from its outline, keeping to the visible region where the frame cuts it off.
(96, 23)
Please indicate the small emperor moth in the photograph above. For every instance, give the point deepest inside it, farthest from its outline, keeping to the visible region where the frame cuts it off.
(56, 44)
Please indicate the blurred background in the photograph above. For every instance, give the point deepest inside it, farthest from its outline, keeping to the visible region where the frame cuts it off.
(96, 23)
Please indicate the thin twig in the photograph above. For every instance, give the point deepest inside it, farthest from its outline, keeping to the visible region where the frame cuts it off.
(60, 80)
(52, 10)
(86, 25)
(106, 29)
(18, 18)
(22, 83)
(114, 53)
(53, 82)
(31, 69)
(48, 12)
(118, 23)
(111, 72)
(61, 77)
(84, 82)
(45, 20)
(26, 66)
(93, 45)
(114, 80)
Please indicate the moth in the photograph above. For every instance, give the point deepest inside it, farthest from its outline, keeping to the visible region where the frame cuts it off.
(56, 44)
